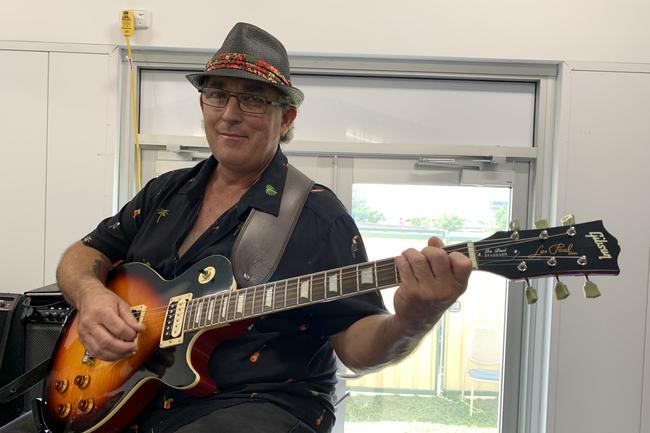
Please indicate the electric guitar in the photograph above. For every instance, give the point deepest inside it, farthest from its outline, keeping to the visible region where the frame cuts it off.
(194, 312)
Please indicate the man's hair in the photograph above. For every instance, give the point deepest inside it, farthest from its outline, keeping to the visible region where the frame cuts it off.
(287, 136)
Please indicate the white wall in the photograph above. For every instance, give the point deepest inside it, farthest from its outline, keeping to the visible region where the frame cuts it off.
(600, 368)
(58, 129)
(603, 30)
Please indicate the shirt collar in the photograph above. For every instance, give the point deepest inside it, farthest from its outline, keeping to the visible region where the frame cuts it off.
(265, 195)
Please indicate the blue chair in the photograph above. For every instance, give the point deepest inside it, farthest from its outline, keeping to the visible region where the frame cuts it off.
(484, 353)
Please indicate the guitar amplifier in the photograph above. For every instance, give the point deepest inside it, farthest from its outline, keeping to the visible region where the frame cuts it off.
(45, 310)
(12, 356)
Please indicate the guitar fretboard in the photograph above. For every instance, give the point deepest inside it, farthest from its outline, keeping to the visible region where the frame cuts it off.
(255, 301)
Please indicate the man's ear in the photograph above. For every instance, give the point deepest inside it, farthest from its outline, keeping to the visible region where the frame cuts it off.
(288, 116)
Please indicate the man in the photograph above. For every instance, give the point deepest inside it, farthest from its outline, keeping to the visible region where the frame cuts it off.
(279, 377)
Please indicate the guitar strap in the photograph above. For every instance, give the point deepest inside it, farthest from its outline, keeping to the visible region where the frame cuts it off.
(263, 238)
(23, 383)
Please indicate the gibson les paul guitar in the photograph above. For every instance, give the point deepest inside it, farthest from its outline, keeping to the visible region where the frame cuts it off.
(194, 312)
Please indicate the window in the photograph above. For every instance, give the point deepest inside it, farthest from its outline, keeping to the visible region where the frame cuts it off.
(458, 143)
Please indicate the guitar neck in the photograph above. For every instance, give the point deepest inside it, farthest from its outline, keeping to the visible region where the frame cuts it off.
(580, 249)
(255, 301)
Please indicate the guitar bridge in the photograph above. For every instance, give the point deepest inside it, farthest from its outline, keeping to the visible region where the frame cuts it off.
(172, 333)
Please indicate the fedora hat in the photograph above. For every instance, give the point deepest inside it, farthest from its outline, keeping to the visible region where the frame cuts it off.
(252, 53)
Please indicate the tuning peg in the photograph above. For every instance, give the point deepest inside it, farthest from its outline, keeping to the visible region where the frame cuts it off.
(541, 224)
(568, 220)
(514, 225)
(590, 288)
(531, 293)
(561, 290)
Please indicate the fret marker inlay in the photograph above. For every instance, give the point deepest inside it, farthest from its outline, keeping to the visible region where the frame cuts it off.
(304, 289)
(197, 318)
(240, 303)
(367, 276)
(224, 305)
(210, 309)
(333, 284)
(268, 297)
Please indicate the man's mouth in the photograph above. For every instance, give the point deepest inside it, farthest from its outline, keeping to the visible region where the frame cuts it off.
(231, 134)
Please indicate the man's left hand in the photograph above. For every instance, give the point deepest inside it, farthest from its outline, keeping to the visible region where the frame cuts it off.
(432, 280)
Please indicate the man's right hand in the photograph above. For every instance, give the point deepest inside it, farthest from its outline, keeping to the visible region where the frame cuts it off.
(107, 327)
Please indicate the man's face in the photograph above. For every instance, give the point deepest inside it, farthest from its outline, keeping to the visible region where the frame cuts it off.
(242, 141)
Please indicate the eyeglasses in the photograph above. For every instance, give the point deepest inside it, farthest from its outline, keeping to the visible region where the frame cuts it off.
(248, 102)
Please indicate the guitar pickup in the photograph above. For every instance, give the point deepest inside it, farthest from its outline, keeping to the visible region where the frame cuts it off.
(172, 333)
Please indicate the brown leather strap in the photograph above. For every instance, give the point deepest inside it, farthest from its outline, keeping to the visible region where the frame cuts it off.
(263, 238)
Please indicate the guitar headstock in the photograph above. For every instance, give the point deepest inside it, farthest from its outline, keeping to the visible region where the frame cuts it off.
(574, 249)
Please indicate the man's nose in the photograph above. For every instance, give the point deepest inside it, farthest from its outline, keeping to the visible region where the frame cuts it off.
(231, 109)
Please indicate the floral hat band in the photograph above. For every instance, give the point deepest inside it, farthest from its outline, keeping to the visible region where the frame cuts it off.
(247, 63)
(254, 54)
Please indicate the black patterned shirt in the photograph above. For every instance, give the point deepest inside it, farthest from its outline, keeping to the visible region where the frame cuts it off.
(286, 357)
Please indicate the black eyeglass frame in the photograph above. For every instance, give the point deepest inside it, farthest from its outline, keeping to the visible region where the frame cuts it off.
(237, 95)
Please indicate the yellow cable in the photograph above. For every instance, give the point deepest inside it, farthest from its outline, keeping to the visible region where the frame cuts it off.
(127, 25)
(138, 157)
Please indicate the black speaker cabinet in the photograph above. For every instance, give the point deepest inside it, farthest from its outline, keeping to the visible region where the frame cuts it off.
(12, 353)
(45, 312)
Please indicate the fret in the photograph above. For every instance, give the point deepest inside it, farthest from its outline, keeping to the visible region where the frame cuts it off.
(250, 299)
(258, 299)
(277, 301)
(285, 293)
(199, 310)
(349, 282)
(274, 299)
(188, 310)
(385, 273)
(211, 301)
(292, 292)
(318, 287)
(255, 310)
(304, 290)
(232, 305)
(204, 311)
(216, 308)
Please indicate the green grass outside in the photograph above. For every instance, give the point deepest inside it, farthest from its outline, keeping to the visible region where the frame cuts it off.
(450, 409)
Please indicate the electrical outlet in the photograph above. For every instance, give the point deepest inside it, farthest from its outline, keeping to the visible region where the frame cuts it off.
(142, 19)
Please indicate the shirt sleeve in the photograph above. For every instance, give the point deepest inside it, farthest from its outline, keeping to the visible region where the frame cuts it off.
(114, 235)
(343, 246)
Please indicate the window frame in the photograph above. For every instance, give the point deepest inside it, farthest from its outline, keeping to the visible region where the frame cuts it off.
(525, 381)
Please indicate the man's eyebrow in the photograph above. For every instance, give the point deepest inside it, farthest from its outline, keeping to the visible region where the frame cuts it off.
(255, 88)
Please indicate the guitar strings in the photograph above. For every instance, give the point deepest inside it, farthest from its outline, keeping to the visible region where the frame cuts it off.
(346, 274)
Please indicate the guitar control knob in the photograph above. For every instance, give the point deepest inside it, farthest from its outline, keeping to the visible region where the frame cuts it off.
(63, 410)
(86, 405)
(82, 381)
(61, 385)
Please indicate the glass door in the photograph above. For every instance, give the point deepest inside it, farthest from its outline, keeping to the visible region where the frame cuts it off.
(453, 382)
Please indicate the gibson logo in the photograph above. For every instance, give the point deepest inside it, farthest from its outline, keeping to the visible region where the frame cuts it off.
(600, 241)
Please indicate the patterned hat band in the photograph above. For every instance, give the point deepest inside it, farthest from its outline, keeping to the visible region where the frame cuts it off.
(249, 64)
